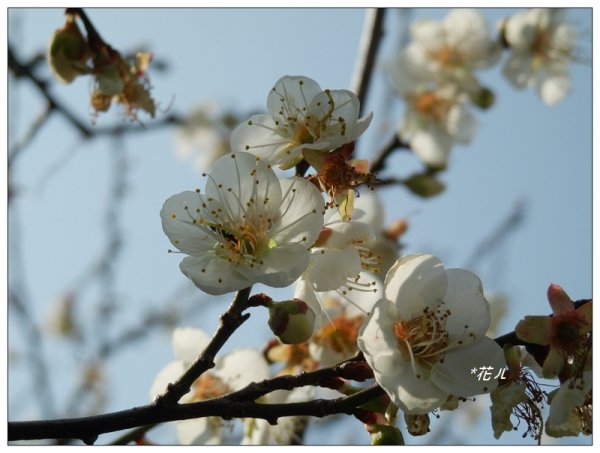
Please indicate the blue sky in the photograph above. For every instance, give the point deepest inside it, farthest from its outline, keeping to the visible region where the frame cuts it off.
(523, 152)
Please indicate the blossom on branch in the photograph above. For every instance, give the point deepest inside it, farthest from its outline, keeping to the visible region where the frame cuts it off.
(542, 44)
(427, 333)
(301, 116)
(232, 372)
(248, 227)
(449, 51)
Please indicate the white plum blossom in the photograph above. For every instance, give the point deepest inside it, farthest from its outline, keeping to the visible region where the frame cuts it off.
(301, 116)
(232, 372)
(427, 334)
(434, 120)
(449, 51)
(542, 44)
(339, 256)
(248, 227)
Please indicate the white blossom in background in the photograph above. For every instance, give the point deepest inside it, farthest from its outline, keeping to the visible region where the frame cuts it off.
(427, 334)
(248, 227)
(337, 259)
(542, 44)
(449, 51)
(232, 372)
(285, 432)
(335, 340)
(434, 120)
(202, 136)
(301, 116)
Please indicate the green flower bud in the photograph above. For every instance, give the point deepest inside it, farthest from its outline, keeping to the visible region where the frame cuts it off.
(483, 98)
(292, 321)
(386, 435)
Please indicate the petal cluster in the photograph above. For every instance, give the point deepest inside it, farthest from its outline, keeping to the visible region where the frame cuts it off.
(542, 46)
(247, 227)
(426, 335)
(301, 116)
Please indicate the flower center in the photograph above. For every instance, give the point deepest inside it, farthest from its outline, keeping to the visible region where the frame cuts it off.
(423, 339)
(207, 387)
(565, 334)
(341, 334)
(430, 105)
(448, 56)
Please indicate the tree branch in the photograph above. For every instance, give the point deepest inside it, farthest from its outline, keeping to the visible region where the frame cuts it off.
(371, 38)
(238, 404)
(378, 162)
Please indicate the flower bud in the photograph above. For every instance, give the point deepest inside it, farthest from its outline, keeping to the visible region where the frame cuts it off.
(67, 52)
(483, 98)
(292, 321)
(386, 435)
(425, 185)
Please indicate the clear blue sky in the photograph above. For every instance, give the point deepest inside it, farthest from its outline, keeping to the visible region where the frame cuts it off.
(523, 151)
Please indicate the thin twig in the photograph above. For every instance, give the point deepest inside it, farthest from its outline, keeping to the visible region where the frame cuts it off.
(379, 160)
(35, 127)
(229, 322)
(372, 36)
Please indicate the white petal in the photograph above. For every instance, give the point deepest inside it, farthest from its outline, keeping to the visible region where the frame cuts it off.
(463, 25)
(428, 33)
(213, 275)
(291, 95)
(331, 268)
(376, 338)
(233, 183)
(188, 343)
(333, 104)
(454, 374)
(241, 367)
(411, 394)
(346, 233)
(470, 311)
(518, 69)
(305, 292)
(199, 431)
(554, 88)
(301, 213)
(281, 266)
(177, 223)
(263, 138)
(414, 283)
(461, 123)
(431, 145)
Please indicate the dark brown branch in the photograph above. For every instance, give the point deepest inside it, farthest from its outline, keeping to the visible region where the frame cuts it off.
(378, 162)
(89, 428)
(33, 130)
(371, 38)
(234, 405)
(229, 322)
(21, 70)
